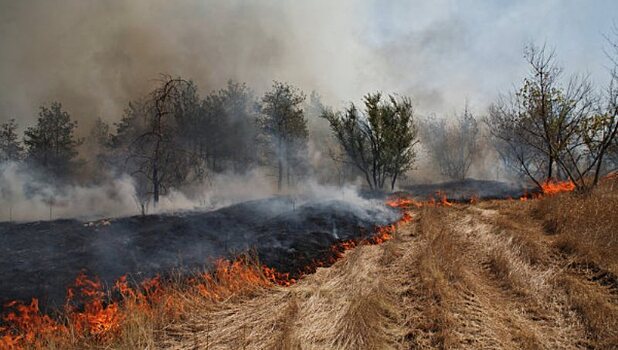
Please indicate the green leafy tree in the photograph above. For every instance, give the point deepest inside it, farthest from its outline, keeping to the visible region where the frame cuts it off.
(284, 122)
(379, 142)
(11, 148)
(225, 130)
(52, 144)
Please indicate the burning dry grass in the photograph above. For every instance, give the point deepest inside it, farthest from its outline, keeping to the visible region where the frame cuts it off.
(143, 317)
(477, 276)
(349, 305)
(126, 317)
(585, 225)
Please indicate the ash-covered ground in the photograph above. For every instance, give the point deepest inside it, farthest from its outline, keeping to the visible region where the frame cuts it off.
(40, 259)
(464, 190)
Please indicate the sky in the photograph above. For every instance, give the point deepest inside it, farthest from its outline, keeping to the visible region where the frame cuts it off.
(96, 56)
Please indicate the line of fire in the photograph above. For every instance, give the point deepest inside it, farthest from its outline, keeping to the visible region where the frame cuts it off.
(203, 174)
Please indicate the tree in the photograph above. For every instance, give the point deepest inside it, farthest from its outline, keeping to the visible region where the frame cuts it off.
(379, 142)
(11, 149)
(158, 155)
(452, 146)
(226, 129)
(534, 127)
(52, 144)
(284, 122)
(597, 138)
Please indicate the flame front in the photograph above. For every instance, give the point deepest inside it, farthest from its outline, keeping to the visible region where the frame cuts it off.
(92, 313)
(549, 188)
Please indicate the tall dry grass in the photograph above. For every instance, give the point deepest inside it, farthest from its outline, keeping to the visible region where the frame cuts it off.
(439, 269)
(585, 225)
(585, 232)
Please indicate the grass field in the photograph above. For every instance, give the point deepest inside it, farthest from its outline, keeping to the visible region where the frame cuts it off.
(505, 274)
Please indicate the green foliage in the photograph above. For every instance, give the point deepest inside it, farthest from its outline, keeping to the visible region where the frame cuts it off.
(52, 144)
(283, 121)
(379, 142)
(11, 148)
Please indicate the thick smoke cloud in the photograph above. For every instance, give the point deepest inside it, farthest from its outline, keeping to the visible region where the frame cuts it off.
(94, 56)
(27, 196)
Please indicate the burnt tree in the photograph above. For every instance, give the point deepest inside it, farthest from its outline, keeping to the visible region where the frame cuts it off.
(158, 155)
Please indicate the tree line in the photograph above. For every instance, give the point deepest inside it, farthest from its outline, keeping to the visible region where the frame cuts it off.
(549, 128)
(173, 137)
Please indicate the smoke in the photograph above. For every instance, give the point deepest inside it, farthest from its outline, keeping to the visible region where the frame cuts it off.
(27, 196)
(94, 56)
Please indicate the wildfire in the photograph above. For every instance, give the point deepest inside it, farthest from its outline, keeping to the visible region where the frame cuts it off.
(408, 202)
(549, 188)
(92, 313)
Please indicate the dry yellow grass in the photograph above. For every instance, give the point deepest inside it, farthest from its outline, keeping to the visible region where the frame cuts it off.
(469, 277)
(497, 275)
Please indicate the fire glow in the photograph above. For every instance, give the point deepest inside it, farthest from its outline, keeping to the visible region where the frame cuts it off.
(550, 188)
(92, 313)
(408, 202)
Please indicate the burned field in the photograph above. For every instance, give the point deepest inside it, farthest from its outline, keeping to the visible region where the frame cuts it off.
(466, 190)
(230, 175)
(496, 260)
(41, 259)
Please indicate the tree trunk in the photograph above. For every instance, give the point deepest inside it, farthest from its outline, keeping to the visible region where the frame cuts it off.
(155, 185)
(288, 175)
(368, 178)
(598, 169)
(280, 163)
(550, 168)
(280, 177)
(393, 181)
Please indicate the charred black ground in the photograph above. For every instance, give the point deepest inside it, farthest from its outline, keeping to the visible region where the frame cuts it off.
(465, 190)
(40, 259)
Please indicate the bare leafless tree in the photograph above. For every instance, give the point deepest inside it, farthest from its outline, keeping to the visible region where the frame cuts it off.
(452, 144)
(536, 126)
(158, 155)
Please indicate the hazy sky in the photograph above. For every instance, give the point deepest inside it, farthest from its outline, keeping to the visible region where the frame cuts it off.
(94, 56)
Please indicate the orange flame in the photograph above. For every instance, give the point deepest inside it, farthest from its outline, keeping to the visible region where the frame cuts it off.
(408, 202)
(91, 313)
(549, 188)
